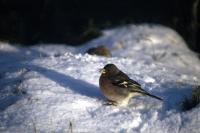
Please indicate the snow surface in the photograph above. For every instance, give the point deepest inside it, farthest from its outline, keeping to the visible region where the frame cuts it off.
(44, 88)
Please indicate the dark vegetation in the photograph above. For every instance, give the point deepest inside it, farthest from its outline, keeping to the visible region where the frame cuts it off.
(77, 21)
(193, 101)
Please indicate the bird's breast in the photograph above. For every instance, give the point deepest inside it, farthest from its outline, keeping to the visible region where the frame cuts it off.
(110, 91)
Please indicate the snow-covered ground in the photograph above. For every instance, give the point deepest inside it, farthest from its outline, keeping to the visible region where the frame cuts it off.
(54, 88)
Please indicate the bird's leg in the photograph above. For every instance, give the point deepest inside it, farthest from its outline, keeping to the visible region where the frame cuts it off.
(110, 102)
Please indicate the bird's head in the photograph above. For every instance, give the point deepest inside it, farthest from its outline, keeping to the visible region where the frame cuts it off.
(109, 70)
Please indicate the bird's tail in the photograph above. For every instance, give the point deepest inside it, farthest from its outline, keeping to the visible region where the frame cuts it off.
(147, 94)
(143, 92)
(153, 96)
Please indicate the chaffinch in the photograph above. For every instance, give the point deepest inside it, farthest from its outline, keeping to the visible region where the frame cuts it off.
(100, 50)
(118, 88)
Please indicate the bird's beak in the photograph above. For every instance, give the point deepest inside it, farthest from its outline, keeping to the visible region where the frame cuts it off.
(102, 71)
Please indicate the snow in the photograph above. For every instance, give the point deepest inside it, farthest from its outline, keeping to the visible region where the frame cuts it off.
(44, 88)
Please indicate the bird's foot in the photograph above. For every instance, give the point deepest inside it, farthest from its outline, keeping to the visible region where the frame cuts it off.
(109, 103)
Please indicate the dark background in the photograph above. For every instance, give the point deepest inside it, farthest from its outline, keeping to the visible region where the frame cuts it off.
(76, 21)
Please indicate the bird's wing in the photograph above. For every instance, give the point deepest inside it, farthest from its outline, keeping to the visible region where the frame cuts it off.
(123, 81)
(127, 84)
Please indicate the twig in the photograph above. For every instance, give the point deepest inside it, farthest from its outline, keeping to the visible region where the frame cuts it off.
(70, 127)
(34, 126)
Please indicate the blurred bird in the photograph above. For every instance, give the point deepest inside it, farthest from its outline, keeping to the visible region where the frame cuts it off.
(100, 50)
(118, 88)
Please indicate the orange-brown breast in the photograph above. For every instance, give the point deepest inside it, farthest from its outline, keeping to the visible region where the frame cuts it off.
(110, 91)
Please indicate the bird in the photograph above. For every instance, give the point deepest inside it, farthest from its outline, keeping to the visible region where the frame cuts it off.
(118, 88)
(100, 50)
